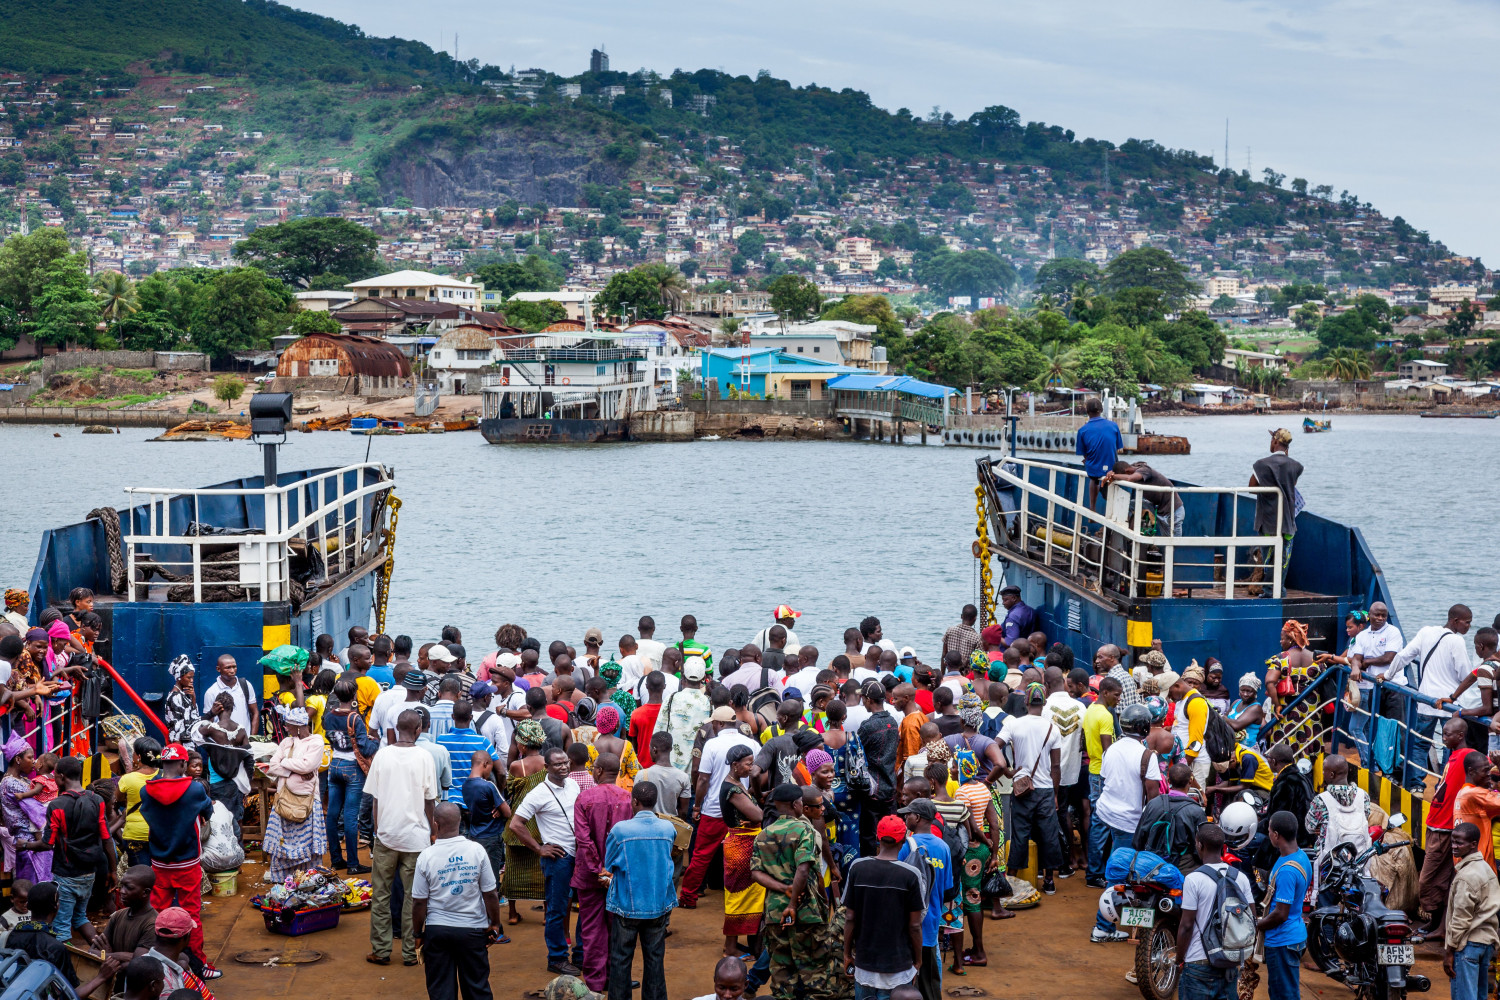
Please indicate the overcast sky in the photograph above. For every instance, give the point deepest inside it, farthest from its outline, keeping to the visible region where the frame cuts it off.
(1385, 98)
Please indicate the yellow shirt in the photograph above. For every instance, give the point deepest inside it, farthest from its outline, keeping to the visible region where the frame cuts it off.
(1263, 777)
(367, 689)
(135, 823)
(1098, 722)
(316, 703)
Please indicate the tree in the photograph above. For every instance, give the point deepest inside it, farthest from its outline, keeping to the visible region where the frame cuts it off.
(534, 316)
(65, 311)
(1347, 364)
(870, 309)
(300, 249)
(228, 388)
(506, 213)
(239, 308)
(147, 331)
(1148, 267)
(1060, 276)
(1103, 365)
(1461, 324)
(751, 243)
(23, 264)
(794, 298)
(117, 297)
(532, 273)
(972, 273)
(1357, 327)
(1194, 338)
(1224, 303)
(1307, 317)
(887, 269)
(306, 321)
(644, 292)
(1059, 366)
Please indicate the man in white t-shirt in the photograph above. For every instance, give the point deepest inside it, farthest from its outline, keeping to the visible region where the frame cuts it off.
(1370, 654)
(870, 631)
(646, 647)
(403, 789)
(1199, 890)
(713, 769)
(784, 616)
(632, 667)
(455, 909)
(1439, 658)
(1036, 747)
(551, 804)
(1130, 777)
(806, 674)
(246, 705)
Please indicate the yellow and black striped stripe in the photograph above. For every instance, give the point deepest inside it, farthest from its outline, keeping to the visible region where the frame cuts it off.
(275, 630)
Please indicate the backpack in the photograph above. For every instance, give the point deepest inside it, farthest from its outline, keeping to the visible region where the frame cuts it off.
(955, 837)
(764, 700)
(1219, 738)
(1228, 930)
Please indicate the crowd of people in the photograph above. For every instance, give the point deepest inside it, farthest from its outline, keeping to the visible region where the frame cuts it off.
(866, 814)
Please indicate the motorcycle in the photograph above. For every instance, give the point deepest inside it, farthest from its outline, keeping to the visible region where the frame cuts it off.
(1152, 909)
(1358, 940)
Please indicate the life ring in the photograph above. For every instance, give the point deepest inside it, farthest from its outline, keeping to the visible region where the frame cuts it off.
(567, 381)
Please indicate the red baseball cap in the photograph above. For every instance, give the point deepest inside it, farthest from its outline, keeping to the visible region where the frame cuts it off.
(174, 751)
(891, 828)
(174, 922)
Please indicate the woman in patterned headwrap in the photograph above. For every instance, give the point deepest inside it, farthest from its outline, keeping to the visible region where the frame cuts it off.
(29, 670)
(17, 603)
(623, 700)
(851, 780)
(984, 853)
(293, 846)
(181, 708)
(523, 868)
(24, 815)
(607, 724)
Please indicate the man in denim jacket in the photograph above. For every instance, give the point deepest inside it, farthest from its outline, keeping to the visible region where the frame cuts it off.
(638, 865)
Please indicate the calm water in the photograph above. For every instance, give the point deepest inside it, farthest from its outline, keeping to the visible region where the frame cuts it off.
(562, 538)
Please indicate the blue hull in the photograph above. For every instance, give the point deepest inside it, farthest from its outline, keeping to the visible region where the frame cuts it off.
(537, 430)
(145, 636)
(1331, 573)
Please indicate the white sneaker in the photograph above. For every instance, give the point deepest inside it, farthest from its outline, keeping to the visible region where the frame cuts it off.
(1104, 937)
(1130, 977)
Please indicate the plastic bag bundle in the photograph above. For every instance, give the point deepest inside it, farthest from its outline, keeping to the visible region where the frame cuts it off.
(1129, 865)
(222, 851)
(284, 659)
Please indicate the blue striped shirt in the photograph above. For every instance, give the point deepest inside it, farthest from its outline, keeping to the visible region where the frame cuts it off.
(461, 744)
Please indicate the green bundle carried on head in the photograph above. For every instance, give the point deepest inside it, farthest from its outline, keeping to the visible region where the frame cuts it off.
(284, 659)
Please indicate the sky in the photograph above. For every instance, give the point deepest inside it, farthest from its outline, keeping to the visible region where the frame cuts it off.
(1384, 98)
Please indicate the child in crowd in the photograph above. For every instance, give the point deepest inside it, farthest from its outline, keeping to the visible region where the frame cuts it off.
(578, 760)
(20, 889)
(43, 779)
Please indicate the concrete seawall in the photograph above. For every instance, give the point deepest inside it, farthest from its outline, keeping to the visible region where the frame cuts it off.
(108, 418)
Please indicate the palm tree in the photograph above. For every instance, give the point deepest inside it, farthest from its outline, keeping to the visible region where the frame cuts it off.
(1478, 371)
(671, 286)
(1345, 364)
(117, 296)
(1058, 365)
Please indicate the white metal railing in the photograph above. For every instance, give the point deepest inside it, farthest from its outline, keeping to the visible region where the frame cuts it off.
(1120, 525)
(328, 513)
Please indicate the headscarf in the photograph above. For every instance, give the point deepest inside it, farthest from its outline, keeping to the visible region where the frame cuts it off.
(991, 635)
(16, 599)
(1033, 689)
(997, 671)
(293, 715)
(938, 752)
(36, 634)
(585, 710)
(179, 665)
(817, 757)
(611, 672)
(1297, 631)
(1250, 681)
(1157, 706)
(1154, 658)
(968, 765)
(529, 733)
(607, 720)
(14, 747)
(805, 739)
(971, 709)
(57, 630)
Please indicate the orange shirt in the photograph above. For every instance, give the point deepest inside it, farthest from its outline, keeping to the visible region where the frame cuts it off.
(1479, 806)
(911, 736)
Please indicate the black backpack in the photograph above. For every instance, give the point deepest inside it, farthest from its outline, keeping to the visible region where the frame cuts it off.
(764, 700)
(1219, 737)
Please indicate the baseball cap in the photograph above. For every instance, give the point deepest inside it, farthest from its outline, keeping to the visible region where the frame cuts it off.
(1011, 589)
(174, 751)
(918, 807)
(481, 689)
(174, 922)
(723, 714)
(907, 651)
(1281, 436)
(890, 828)
(593, 634)
(785, 611)
(694, 669)
(414, 681)
(440, 654)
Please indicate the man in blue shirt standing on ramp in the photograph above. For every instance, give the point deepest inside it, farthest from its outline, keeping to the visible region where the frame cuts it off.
(1098, 441)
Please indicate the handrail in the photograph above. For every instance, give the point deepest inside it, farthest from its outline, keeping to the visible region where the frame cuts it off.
(1117, 518)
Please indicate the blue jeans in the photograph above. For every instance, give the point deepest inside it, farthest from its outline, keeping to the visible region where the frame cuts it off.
(1283, 971)
(73, 894)
(870, 993)
(558, 873)
(1471, 972)
(1426, 725)
(1359, 727)
(1113, 841)
(760, 972)
(346, 784)
(1201, 981)
(1098, 832)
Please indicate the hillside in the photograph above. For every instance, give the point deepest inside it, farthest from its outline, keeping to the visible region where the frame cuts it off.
(158, 132)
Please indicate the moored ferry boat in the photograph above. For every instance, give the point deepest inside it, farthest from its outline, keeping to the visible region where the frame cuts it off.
(1114, 574)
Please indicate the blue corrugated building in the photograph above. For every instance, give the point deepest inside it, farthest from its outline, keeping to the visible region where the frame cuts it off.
(770, 373)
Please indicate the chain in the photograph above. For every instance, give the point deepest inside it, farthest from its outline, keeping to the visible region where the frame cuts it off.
(982, 553)
(390, 566)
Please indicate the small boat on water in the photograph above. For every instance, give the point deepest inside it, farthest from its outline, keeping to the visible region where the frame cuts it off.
(1476, 415)
(1311, 426)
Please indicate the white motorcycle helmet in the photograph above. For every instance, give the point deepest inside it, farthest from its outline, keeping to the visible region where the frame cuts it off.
(1109, 905)
(1238, 821)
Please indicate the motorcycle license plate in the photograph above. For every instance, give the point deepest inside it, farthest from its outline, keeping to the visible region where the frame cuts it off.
(1137, 916)
(1395, 954)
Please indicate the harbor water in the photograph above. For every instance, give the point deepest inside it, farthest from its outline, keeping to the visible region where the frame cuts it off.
(559, 538)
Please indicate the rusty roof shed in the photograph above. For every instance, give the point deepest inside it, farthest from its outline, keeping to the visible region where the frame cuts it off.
(342, 354)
